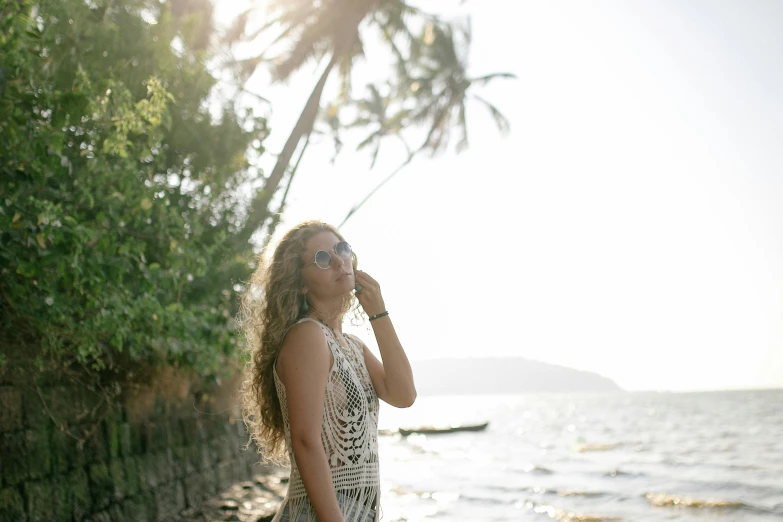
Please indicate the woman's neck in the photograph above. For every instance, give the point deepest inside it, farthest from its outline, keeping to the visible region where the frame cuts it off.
(332, 320)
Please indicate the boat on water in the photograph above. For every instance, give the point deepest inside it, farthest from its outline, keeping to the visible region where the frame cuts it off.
(435, 430)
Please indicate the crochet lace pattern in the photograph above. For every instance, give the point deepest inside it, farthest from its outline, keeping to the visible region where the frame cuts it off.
(349, 434)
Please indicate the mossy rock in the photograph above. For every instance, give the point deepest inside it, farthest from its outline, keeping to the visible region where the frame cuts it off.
(11, 506)
(154, 437)
(62, 500)
(190, 430)
(170, 499)
(113, 430)
(137, 439)
(101, 485)
(80, 487)
(143, 507)
(135, 509)
(117, 514)
(35, 415)
(174, 434)
(132, 476)
(13, 448)
(117, 473)
(102, 516)
(185, 464)
(10, 409)
(39, 459)
(66, 404)
(66, 454)
(126, 439)
(95, 447)
(38, 499)
(206, 460)
(195, 489)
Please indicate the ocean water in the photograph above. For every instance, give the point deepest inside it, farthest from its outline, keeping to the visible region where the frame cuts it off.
(714, 456)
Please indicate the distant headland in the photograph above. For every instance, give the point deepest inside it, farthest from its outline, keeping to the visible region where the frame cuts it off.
(506, 375)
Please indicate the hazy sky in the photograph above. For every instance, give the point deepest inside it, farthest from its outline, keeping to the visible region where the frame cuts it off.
(631, 223)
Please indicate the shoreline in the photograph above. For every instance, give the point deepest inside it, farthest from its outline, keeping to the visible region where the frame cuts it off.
(255, 500)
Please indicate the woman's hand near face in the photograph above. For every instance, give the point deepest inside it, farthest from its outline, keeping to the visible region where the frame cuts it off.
(370, 295)
(392, 376)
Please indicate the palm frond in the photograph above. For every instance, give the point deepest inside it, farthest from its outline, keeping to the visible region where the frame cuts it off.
(238, 28)
(243, 69)
(377, 103)
(291, 22)
(398, 121)
(500, 120)
(438, 130)
(462, 144)
(375, 153)
(427, 88)
(367, 141)
(290, 5)
(311, 42)
(359, 122)
(400, 59)
(483, 80)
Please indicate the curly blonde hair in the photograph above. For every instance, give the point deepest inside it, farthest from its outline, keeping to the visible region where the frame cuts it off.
(270, 306)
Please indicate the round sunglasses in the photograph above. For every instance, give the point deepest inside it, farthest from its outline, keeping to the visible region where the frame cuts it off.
(323, 259)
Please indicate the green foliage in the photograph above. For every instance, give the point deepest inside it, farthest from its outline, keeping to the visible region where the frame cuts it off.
(118, 188)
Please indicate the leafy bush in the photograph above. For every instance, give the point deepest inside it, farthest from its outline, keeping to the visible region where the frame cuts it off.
(119, 188)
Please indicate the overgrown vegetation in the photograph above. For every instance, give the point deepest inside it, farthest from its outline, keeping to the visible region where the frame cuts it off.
(125, 217)
(119, 189)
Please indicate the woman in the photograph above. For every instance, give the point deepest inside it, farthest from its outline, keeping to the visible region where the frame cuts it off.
(311, 396)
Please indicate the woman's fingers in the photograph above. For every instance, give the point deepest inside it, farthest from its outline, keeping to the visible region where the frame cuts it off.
(370, 295)
(361, 279)
(369, 277)
(365, 279)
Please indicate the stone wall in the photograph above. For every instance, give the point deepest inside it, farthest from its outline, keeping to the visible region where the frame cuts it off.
(147, 460)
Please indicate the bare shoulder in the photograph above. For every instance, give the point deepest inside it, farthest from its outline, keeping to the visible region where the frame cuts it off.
(304, 348)
(306, 360)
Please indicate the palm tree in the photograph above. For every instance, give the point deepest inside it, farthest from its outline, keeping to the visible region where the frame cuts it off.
(447, 87)
(444, 88)
(317, 29)
(375, 111)
(332, 31)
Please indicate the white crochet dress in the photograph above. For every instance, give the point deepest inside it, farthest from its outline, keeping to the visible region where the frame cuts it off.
(349, 434)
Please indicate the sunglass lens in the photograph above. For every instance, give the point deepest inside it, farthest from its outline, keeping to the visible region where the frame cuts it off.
(323, 259)
(343, 249)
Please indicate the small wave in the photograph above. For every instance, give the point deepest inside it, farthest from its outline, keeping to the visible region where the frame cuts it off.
(537, 470)
(566, 515)
(674, 463)
(679, 463)
(498, 487)
(410, 492)
(620, 473)
(446, 496)
(567, 493)
(742, 467)
(485, 500)
(664, 499)
(583, 447)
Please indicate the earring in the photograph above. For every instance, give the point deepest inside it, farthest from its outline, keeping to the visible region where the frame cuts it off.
(304, 306)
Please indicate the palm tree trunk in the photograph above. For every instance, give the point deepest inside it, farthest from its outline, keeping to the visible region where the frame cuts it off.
(281, 208)
(259, 209)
